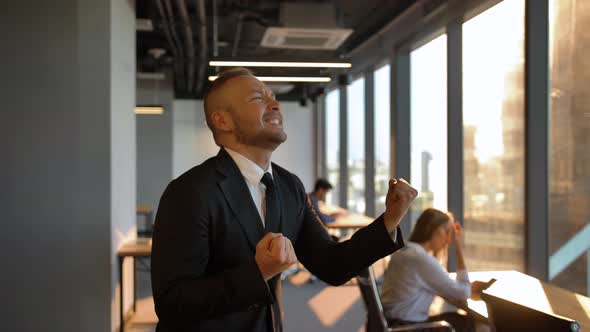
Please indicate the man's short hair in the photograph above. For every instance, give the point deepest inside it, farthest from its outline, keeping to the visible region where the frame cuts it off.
(322, 184)
(222, 78)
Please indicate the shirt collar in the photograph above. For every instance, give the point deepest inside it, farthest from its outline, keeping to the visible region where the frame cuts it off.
(249, 169)
(416, 246)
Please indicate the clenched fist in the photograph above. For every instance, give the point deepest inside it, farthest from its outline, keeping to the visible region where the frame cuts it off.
(397, 202)
(274, 254)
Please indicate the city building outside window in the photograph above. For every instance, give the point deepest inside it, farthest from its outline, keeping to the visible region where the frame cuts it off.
(428, 114)
(333, 144)
(382, 136)
(356, 146)
(493, 138)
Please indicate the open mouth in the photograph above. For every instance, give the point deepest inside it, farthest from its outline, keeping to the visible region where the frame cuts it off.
(274, 121)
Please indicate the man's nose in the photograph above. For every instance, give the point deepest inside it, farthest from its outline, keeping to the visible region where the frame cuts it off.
(274, 104)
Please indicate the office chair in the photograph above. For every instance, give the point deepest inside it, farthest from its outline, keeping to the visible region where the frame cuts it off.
(376, 321)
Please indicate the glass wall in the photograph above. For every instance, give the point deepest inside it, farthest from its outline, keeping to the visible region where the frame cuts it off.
(569, 148)
(382, 136)
(356, 146)
(333, 144)
(493, 115)
(428, 141)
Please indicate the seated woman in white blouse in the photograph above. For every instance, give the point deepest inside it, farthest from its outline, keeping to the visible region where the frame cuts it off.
(414, 275)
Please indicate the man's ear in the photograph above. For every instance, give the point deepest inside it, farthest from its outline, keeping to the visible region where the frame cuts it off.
(222, 120)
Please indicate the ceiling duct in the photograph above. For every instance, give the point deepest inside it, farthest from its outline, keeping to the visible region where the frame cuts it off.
(306, 26)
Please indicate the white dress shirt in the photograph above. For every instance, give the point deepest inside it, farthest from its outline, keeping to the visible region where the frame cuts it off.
(411, 281)
(253, 174)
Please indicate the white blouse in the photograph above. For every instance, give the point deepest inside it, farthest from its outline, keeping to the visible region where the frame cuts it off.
(411, 281)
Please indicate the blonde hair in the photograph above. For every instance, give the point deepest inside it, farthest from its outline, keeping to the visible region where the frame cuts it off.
(428, 223)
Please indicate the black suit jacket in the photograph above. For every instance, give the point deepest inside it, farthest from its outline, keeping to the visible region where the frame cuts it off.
(204, 276)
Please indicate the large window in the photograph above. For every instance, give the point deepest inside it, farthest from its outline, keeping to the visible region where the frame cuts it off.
(493, 114)
(356, 146)
(428, 140)
(333, 144)
(382, 136)
(569, 148)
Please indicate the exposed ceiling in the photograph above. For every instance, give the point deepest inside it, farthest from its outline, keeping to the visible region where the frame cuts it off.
(186, 34)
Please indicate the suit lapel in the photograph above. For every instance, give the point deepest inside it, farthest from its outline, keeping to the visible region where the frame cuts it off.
(281, 191)
(238, 196)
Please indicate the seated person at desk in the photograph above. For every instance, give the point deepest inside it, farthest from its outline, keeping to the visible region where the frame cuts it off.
(321, 189)
(414, 275)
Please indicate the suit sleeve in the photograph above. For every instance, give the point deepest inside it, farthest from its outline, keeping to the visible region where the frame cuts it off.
(337, 262)
(183, 289)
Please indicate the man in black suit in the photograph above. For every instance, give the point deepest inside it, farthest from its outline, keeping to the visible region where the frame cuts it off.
(226, 229)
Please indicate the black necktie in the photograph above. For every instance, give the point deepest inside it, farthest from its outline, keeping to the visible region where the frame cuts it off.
(272, 216)
(272, 222)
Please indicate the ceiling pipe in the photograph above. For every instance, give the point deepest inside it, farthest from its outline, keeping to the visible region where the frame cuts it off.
(215, 31)
(203, 50)
(190, 48)
(180, 54)
(234, 50)
(166, 27)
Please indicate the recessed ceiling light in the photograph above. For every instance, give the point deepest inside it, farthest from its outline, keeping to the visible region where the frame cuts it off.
(280, 64)
(287, 79)
(149, 110)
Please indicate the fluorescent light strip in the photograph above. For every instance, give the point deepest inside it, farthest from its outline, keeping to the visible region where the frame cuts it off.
(149, 110)
(279, 64)
(286, 79)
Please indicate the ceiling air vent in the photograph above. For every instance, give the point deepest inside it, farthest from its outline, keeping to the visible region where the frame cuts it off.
(306, 26)
(305, 39)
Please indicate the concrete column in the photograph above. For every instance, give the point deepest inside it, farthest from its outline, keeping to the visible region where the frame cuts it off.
(67, 140)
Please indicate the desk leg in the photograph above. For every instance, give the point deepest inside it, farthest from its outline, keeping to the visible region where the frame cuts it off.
(134, 284)
(122, 320)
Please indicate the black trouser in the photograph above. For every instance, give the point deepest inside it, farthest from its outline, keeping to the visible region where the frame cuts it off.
(461, 323)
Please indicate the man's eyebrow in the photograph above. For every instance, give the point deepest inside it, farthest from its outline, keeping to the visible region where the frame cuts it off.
(264, 92)
(256, 91)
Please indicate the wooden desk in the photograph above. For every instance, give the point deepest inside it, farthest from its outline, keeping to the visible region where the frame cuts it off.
(350, 221)
(476, 309)
(528, 291)
(141, 247)
(344, 220)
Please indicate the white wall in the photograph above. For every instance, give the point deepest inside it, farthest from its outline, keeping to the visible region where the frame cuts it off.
(154, 141)
(296, 154)
(193, 142)
(123, 156)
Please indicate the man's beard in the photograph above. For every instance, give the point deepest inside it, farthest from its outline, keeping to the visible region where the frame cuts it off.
(262, 139)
